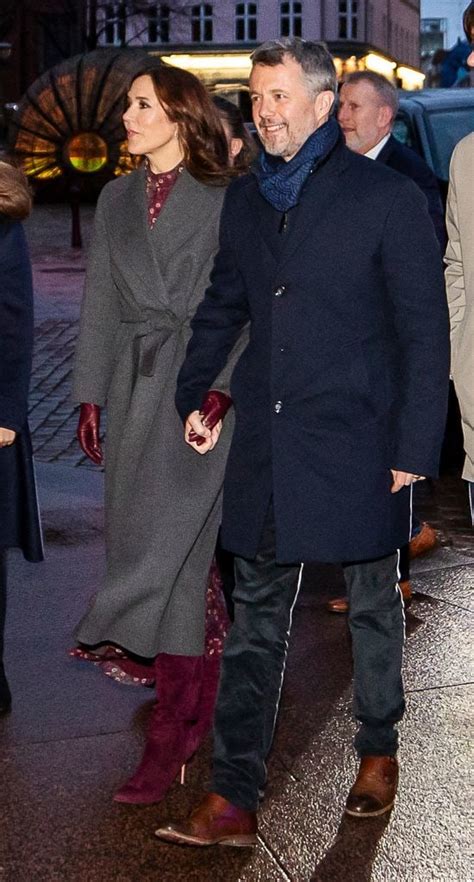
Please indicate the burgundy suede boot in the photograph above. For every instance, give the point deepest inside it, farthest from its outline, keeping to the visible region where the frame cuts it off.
(207, 702)
(175, 714)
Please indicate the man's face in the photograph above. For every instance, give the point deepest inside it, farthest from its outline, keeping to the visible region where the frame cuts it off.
(363, 119)
(284, 113)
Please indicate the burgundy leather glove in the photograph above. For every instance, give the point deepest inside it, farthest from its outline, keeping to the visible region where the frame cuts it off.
(88, 432)
(214, 408)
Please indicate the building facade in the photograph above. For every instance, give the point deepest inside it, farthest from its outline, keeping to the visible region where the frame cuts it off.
(215, 39)
(441, 23)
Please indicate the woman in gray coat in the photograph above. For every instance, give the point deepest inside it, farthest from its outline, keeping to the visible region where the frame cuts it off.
(156, 233)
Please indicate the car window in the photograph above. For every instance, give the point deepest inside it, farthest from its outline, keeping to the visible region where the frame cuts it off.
(402, 130)
(447, 128)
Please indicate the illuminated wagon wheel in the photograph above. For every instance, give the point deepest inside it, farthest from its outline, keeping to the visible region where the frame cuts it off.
(69, 122)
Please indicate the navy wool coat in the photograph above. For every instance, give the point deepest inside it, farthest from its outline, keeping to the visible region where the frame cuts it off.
(19, 519)
(346, 373)
(404, 160)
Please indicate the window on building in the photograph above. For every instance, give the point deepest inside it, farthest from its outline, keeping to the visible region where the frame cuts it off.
(115, 24)
(370, 22)
(291, 19)
(348, 19)
(201, 23)
(433, 35)
(159, 23)
(246, 21)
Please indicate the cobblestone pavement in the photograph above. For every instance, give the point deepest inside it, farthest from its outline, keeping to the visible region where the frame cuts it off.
(58, 274)
(52, 416)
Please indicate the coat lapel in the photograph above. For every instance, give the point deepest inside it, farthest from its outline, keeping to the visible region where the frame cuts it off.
(263, 217)
(321, 190)
(135, 251)
(176, 223)
(386, 150)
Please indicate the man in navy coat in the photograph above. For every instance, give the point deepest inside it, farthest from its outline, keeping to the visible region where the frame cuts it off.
(366, 111)
(333, 260)
(367, 108)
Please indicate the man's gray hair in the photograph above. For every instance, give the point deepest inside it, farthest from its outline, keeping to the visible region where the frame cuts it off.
(319, 72)
(386, 91)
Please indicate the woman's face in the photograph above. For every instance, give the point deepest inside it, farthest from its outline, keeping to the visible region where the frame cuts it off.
(149, 131)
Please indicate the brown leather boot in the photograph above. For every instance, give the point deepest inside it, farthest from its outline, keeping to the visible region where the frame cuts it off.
(423, 542)
(374, 790)
(338, 605)
(407, 594)
(215, 821)
(341, 604)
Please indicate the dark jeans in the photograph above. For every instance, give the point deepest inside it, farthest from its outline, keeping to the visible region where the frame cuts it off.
(254, 659)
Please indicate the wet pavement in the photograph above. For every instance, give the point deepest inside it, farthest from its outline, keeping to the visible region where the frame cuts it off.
(73, 736)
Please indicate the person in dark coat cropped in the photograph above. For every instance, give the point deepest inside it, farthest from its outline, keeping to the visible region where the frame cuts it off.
(19, 516)
(334, 260)
(366, 112)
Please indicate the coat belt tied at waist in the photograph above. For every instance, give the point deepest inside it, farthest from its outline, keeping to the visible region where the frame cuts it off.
(152, 333)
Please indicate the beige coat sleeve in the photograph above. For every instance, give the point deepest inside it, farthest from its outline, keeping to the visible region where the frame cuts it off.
(454, 273)
(459, 275)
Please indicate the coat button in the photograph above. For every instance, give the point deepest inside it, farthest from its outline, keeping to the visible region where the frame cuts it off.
(278, 407)
(280, 290)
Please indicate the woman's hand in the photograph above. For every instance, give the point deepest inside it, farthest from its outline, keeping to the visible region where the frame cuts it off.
(195, 427)
(88, 432)
(7, 437)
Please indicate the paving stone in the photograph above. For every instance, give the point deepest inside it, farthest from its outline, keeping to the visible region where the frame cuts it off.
(62, 825)
(426, 837)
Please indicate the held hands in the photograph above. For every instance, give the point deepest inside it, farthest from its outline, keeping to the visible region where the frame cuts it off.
(204, 427)
(88, 432)
(403, 479)
(7, 437)
(195, 427)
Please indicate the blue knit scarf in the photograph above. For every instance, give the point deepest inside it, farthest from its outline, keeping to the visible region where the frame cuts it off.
(280, 182)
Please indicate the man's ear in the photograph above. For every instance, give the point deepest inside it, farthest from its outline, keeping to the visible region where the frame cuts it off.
(323, 104)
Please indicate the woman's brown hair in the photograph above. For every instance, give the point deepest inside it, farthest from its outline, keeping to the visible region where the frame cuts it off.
(230, 114)
(468, 23)
(187, 103)
(15, 195)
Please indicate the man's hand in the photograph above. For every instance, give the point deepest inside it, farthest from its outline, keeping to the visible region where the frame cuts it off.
(194, 423)
(403, 479)
(7, 437)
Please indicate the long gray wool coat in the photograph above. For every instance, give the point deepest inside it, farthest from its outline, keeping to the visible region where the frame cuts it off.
(162, 500)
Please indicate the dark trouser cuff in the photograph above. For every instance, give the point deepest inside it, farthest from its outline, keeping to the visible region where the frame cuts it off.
(233, 793)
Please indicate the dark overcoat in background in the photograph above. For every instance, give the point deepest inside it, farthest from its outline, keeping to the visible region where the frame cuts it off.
(404, 160)
(346, 373)
(19, 518)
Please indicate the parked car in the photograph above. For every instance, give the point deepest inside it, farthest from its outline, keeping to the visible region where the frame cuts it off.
(432, 121)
